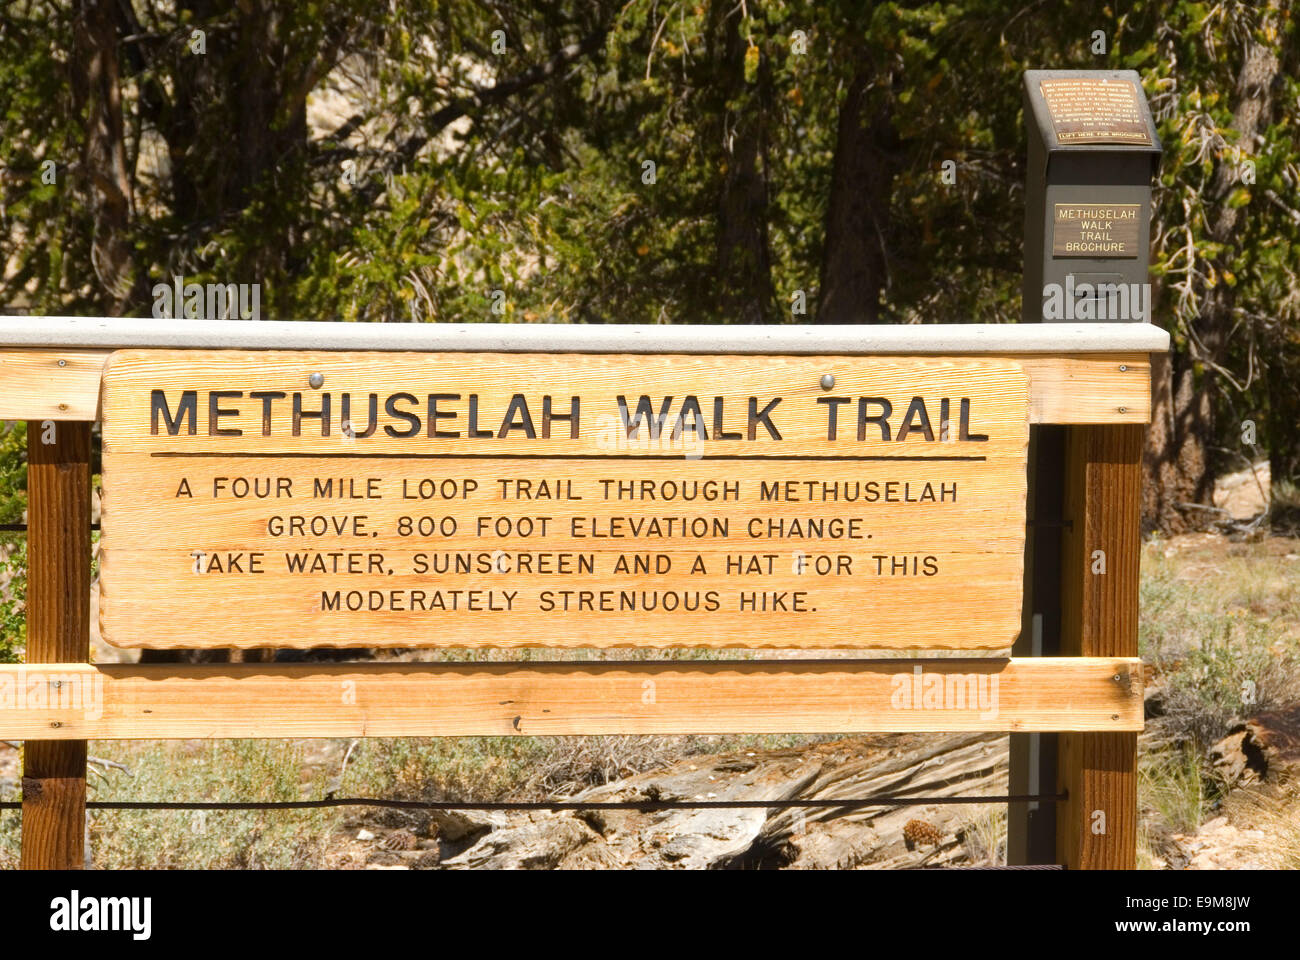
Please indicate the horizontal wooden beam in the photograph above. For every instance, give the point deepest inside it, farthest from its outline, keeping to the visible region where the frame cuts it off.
(50, 384)
(1073, 388)
(214, 701)
(118, 333)
(1088, 388)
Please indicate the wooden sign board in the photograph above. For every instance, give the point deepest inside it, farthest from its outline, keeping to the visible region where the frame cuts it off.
(338, 499)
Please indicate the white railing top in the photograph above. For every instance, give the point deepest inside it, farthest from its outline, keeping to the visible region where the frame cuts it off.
(100, 333)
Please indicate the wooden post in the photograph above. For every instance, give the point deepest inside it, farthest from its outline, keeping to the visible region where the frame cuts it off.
(1097, 825)
(58, 631)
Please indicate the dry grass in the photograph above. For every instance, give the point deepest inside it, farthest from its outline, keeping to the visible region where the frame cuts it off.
(218, 770)
(983, 833)
(1174, 789)
(1221, 624)
(524, 768)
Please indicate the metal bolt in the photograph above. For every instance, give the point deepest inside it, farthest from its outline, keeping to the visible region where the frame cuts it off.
(1123, 409)
(828, 381)
(1123, 368)
(63, 363)
(316, 380)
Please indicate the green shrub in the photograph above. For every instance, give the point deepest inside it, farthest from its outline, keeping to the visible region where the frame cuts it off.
(1237, 672)
(13, 546)
(219, 770)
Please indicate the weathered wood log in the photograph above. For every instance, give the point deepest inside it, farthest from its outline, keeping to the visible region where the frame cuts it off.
(1266, 747)
(900, 765)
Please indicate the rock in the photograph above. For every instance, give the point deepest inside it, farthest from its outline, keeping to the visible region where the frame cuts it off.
(539, 842)
(1246, 493)
(454, 825)
(1153, 693)
(1218, 845)
(365, 835)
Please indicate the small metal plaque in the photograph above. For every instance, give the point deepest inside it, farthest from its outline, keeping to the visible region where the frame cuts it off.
(1095, 110)
(1099, 230)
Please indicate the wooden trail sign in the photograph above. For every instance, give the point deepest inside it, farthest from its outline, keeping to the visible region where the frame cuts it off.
(279, 498)
(1088, 384)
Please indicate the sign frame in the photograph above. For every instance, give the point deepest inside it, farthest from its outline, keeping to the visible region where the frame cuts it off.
(1095, 378)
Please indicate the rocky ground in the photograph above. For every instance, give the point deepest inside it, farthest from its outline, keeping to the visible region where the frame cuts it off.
(928, 834)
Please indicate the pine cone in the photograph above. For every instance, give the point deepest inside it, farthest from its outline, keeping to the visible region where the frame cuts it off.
(399, 840)
(919, 832)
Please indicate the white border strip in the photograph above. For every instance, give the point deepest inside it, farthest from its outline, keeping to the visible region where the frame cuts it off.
(952, 338)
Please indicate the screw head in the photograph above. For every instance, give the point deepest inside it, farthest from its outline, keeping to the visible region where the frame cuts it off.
(63, 363)
(316, 380)
(828, 381)
(1123, 368)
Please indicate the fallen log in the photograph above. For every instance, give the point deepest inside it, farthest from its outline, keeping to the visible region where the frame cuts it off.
(1265, 747)
(905, 765)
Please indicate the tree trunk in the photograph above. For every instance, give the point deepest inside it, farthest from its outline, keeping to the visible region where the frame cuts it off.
(744, 264)
(98, 100)
(855, 269)
(1283, 412)
(1178, 469)
(247, 100)
(1175, 471)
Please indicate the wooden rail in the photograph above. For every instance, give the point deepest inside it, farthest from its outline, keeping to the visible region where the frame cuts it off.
(1084, 388)
(121, 702)
(1079, 373)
